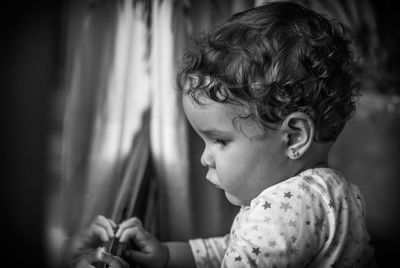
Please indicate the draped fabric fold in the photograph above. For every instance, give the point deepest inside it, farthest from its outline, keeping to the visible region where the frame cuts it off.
(86, 77)
(168, 125)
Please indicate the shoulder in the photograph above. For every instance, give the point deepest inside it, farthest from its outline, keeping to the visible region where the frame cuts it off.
(308, 202)
(310, 186)
(289, 217)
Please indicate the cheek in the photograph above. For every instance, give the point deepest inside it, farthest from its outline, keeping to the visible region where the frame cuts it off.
(247, 169)
(235, 170)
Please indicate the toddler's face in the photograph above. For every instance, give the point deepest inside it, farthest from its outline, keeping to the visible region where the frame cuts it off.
(241, 158)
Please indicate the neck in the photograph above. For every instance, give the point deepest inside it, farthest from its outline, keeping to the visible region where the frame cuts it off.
(316, 157)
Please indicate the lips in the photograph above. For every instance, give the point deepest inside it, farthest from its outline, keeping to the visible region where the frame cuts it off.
(212, 180)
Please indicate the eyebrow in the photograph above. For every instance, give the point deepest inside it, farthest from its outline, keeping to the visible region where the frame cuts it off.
(213, 132)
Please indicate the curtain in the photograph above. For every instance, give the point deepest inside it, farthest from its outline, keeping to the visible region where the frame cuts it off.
(90, 37)
(120, 76)
(108, 97)
(168, 126)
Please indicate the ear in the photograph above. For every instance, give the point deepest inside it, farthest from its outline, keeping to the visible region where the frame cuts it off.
(299, 134)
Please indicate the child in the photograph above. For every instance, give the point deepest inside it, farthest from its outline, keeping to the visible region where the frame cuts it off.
(269, 92)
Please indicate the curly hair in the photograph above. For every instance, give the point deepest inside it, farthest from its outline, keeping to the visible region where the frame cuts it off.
(276, 59)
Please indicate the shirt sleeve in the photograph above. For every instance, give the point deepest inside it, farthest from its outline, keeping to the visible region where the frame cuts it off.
(209, 252)
(286, 226)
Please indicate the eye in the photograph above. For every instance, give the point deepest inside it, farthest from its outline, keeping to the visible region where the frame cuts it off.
(221, 142)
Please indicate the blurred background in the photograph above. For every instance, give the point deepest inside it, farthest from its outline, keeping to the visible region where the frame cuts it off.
(93, 125)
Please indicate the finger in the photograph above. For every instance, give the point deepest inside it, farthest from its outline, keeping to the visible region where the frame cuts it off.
(127, 224)
(138, 234)
(133, 233)
(113, 224)
(105, 223)
(100, 232)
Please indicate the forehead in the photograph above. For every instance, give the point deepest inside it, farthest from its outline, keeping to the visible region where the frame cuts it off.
(208, 111)
(211, 115)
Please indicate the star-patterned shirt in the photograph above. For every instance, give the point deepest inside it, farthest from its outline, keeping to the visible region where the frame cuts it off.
(315, 219)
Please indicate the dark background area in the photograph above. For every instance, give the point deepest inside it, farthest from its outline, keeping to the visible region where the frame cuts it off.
(31, 53)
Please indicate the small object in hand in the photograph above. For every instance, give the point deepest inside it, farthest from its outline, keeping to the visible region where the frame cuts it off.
(113, 247)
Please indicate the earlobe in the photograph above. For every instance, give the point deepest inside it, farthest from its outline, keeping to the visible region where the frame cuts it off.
(293, 154)
(299, 129)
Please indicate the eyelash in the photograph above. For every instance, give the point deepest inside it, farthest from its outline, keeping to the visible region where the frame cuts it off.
(221, 142)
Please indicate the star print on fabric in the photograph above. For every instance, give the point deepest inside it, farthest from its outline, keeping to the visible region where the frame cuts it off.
(272, 244)
(256, 251)
(288, 195)
(267, 205)
(285, 206)
(238, 258)
(304, 186)
(294, 203)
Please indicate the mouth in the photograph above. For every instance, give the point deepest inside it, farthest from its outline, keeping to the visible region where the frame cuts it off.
(212, 182)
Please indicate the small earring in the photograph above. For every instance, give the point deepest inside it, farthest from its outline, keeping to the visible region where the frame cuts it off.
(294, 154)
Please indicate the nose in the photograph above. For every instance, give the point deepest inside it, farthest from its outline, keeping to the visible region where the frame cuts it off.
(207, 160)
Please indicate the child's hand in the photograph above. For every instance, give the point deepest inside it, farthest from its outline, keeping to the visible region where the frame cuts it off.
(86, 241)
(150, 253)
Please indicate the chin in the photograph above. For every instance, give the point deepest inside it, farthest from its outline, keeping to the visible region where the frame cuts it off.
(235, 201)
